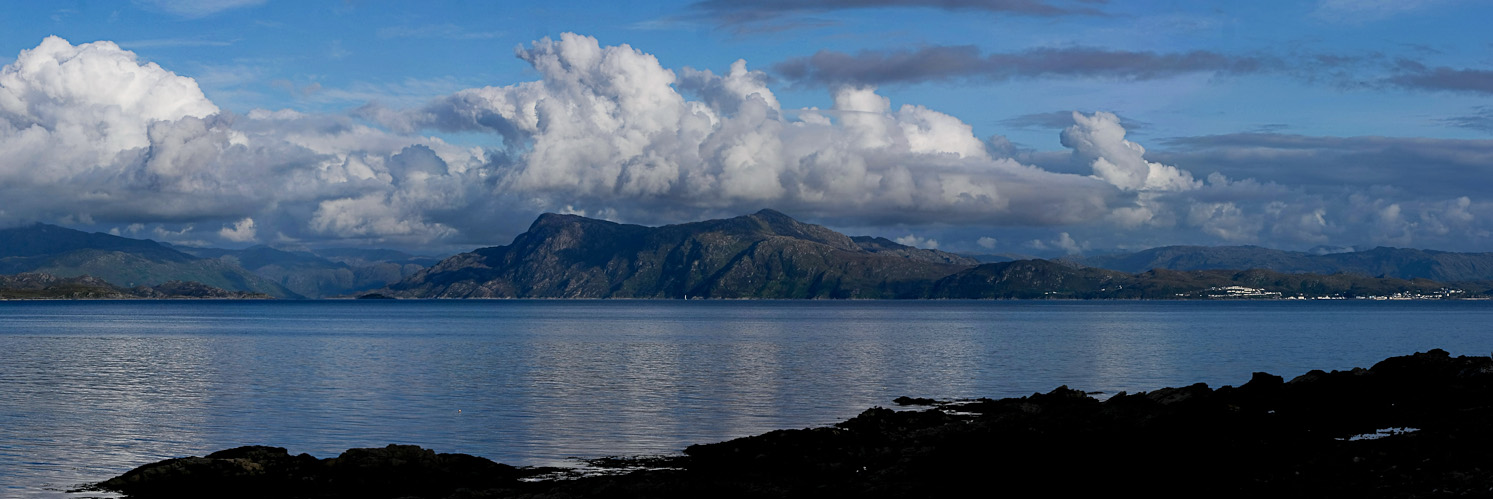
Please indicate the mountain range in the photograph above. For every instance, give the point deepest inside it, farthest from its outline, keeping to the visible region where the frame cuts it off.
(771, 255)
(332, 272)
(763, 255)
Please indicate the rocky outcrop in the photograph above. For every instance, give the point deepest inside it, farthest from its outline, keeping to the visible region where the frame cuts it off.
(1315, 436)
(258, 471)
(1413, 426)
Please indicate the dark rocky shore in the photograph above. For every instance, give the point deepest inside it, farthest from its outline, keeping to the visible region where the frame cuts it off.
(1266, 438)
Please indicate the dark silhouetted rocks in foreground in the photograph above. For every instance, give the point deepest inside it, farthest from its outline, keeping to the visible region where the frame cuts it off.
(259, 471)
(1413, 426)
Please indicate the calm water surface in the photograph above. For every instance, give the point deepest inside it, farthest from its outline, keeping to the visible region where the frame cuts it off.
(92, 389)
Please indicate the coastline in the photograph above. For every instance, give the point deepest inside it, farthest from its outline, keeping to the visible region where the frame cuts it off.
(1320, 434)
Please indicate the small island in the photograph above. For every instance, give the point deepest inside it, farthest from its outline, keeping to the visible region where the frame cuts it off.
(1411, 426)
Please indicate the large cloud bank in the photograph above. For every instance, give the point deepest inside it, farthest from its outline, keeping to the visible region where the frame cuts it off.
(607, 130)
(92, 136)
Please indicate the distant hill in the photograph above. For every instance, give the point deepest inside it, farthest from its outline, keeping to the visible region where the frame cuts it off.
(358, 257)
(336, 272)
(997, 257)
(763, 255)
(1387, 262)
(1038, 279)
(36, 285)
(120, 261)
(884, 246)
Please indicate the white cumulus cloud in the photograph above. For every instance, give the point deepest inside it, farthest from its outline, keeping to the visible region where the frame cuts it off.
(92, 135)
(611, 127)
(1100, 139)
(919, 242)
(240, 232)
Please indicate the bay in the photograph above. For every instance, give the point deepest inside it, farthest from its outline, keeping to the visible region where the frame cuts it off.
(92, 389)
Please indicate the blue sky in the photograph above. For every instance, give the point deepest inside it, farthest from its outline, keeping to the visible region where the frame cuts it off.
(1315, 124)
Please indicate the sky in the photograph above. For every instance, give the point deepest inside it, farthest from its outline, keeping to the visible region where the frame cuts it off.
(1040, 127)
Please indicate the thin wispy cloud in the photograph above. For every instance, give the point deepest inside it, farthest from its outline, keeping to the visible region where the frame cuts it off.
(61, 15)
(173, 42)
(1365, 11)
(1480, 119)
(406, 92)
(443, 31)
(218, 76)
(193, 9)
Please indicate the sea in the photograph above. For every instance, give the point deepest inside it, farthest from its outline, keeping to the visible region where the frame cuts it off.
(91, 389)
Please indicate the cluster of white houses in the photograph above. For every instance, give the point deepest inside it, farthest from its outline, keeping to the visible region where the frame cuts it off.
(1225, 292)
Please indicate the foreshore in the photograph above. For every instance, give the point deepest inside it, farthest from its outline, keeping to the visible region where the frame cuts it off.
(1411, 426)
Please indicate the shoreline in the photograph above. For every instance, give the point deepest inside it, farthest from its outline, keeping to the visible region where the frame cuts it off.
(1316, 435)
(625, 299)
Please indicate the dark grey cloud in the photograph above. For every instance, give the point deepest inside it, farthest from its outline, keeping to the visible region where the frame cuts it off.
(1426, 167)
(1414, 75)
(966, 62)
(776, 15)
(944, 63)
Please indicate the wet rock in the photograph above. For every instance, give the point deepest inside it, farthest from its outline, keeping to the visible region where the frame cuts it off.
(259, 471)
(905, 400)
(1169, 396)
(1264, 382)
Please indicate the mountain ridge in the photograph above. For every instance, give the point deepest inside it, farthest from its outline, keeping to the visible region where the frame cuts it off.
(765, 254)
(770, 255)
(312, 275)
